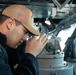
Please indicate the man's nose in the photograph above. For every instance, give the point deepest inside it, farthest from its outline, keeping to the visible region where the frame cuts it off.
(25, 37)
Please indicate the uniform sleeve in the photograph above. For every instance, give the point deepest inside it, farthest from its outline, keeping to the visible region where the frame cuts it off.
(27, 66)
(4, 67)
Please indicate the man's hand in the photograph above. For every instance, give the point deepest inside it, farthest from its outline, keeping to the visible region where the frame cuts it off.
(35, 45)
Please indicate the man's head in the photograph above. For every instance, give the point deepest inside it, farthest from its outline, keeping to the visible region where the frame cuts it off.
(21, 15)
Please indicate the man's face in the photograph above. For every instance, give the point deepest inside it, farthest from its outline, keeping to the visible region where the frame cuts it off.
(16, 36)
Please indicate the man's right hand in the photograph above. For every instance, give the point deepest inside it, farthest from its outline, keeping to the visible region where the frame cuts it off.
(36, 45)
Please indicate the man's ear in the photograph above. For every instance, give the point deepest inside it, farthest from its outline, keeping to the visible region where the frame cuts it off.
(10, 23)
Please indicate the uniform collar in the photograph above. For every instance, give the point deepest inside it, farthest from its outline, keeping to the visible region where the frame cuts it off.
(3, 39)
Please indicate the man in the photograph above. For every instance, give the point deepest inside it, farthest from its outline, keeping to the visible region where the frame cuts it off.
(16, 21)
